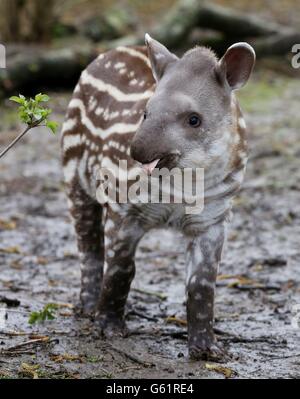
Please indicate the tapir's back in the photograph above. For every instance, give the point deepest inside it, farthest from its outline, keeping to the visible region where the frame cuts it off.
(105, 111)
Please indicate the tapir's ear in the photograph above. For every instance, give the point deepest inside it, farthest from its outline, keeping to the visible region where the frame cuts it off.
(236, 64)
(160, 57)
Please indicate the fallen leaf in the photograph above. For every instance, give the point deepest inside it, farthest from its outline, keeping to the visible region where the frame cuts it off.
(7, 224)
(227, 372)
(240, 281)
(159, 295)
(30, 370)
(66, 357)
(11, 250)
(16, 265)
(42, 261)
(227, 276)
(65, 314)
(64, 305)
(175, 320)
(40, 337)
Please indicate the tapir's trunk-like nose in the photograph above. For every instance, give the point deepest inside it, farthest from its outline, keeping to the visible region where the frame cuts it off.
(136, 152)
(140, 151)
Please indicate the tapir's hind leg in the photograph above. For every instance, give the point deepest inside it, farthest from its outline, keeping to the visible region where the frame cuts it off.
(87, 215)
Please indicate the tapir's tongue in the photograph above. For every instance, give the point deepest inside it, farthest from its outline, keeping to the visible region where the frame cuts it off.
(149, 167)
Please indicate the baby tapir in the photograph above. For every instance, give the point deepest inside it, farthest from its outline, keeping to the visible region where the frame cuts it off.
(149, 107)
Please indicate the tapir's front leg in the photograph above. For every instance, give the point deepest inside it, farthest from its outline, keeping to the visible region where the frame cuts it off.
(121, 239)
(203, 256)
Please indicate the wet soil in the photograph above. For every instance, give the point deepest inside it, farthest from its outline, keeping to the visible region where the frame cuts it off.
(258, 288)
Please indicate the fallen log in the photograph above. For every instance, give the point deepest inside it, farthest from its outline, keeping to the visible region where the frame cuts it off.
(31, 70)
(278, 44)
(175, 28)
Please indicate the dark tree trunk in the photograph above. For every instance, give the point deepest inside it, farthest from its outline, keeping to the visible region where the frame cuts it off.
(26, 20)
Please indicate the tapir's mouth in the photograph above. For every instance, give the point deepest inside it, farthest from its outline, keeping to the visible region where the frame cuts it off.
(168, 161)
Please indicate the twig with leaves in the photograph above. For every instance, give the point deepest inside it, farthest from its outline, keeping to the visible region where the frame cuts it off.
(47, 313)
(33, 114)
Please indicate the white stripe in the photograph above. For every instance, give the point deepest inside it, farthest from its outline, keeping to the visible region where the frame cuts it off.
(98, 132)
(70, 170)
(69, 124)
(117, 94)
(71, 141)
(82, 166)
(134, 53)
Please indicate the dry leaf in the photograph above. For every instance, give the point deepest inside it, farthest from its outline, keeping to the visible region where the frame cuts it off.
(39, 337)
(7, 224)
(42, 261)
(66, 357)
(65, 314)
(64, 305)
(30, 370)
(221, 277)
(11, 250)
(227, 372)
(175, 320)
(244, 281)
(16, 264)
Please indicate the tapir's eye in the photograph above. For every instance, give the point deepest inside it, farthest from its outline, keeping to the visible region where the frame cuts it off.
(145, 115)
(194, 120)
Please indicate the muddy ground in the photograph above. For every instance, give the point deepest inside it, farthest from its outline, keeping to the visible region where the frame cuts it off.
(257, 290)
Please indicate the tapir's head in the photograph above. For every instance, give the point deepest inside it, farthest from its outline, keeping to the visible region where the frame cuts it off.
(188, 120)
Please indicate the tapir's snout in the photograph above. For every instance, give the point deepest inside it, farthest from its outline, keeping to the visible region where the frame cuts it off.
(142, 153)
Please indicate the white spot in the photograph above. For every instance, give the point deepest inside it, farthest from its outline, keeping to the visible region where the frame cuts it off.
(193, 279)
(119, 65)
(242, 123)
(109, 224)
(99, 111)
(110, 253)
(133, 82)
(201, 316)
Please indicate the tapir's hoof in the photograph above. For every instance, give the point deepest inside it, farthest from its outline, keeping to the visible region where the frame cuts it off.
(85, 309)
(213, 352)
(110, 327)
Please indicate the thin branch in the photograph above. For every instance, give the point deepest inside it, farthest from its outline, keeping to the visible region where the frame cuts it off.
(130, 356)
(18, 138)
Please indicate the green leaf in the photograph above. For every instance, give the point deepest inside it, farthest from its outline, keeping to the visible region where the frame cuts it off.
(32, 113)
(42, 98)
(17, 99)
(52, 126)
(47, 313)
